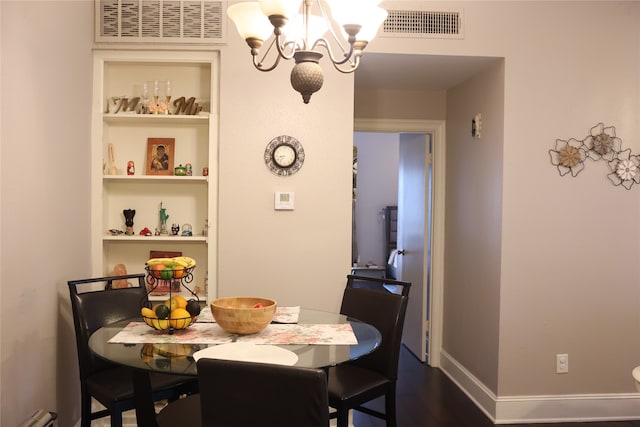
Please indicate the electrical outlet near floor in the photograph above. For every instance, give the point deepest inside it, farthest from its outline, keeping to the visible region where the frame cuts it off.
(562, 363)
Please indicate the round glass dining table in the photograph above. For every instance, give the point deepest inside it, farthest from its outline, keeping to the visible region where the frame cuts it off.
(177, 358)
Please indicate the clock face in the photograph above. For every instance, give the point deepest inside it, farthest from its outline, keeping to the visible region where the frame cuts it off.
(284, 155)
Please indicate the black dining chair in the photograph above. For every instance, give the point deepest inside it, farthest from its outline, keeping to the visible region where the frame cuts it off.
(242, 394)
(95, 304)
(383, 304)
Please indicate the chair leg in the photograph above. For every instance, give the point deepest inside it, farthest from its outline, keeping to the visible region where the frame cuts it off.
(116, 418)
(390, 406)
(343, 418)
(85, 410)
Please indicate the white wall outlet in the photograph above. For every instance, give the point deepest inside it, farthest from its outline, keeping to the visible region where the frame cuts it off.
(562, 363)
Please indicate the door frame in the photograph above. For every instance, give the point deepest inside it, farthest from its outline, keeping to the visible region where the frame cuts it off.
(437, 129)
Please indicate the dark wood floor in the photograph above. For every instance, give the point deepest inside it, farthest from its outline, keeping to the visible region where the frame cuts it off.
(428, 398)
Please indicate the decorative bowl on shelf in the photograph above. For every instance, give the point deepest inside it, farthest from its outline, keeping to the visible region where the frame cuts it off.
(243, 315)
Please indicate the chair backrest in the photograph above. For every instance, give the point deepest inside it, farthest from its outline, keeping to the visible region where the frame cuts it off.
(383, 304)
(240, 394)
(96, 308)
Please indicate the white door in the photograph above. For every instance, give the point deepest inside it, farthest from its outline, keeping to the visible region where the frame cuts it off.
(413, 236)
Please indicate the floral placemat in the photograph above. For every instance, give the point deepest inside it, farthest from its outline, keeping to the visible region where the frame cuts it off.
(286, 314)
(197, 333)
(336, 334)
(211, 333)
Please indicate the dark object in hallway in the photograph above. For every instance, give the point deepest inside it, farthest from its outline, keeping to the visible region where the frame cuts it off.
(426, 397)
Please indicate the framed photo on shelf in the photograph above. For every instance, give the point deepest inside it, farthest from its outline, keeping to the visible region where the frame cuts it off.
(160, 152)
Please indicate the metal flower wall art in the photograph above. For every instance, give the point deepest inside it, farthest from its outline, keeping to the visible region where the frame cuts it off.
(601, 144)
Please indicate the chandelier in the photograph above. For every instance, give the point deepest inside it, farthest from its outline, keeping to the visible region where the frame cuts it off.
(299, 34)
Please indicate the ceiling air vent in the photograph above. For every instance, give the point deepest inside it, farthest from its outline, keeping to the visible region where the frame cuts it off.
(160, 21)
(423, 24)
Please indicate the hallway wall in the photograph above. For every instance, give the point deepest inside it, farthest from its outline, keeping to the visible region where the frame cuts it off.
(377, 187)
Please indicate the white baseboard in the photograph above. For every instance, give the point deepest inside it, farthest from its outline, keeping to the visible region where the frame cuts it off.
(541, 409)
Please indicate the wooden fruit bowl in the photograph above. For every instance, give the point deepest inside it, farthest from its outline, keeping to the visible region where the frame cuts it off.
(243, 315)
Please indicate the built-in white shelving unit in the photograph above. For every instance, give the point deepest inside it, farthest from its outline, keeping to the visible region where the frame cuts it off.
(187, 199)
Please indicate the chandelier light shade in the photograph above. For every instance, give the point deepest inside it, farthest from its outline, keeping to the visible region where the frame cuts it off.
(300, 29)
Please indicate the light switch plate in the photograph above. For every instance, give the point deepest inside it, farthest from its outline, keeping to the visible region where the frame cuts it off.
(284, 201)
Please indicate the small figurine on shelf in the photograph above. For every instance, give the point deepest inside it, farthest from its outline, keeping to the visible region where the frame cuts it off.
(189, 169)
(119, 270)
(131, 168)
(128, 215)
(174, 229)
(187, 231)
(146, 232)
(163, 220)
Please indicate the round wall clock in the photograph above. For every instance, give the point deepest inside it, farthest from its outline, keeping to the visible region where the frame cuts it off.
(284, 155)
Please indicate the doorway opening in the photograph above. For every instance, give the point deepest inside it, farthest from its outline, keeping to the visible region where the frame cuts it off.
(427, 294)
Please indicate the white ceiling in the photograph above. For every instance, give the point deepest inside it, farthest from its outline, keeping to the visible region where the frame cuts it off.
(416, 72)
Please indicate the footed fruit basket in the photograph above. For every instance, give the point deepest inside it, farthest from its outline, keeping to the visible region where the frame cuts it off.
(176, 312)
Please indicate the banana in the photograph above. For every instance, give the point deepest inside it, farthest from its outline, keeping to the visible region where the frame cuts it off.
(149, 321)
(155, 261)
(181, 262)
(172, 350)
(148, 313)
(147, 350)
(160, 324)
(185, 261)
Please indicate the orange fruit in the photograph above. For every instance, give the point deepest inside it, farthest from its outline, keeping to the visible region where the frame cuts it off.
(178, 271)
(179, 318)
(156, 269)
(176, 301)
